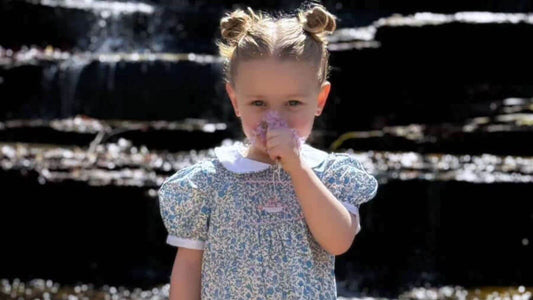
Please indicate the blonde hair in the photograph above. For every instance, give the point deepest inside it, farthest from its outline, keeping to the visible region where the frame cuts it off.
(303, 37)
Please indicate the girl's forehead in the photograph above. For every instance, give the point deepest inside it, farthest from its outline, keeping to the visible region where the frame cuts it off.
(279, 76)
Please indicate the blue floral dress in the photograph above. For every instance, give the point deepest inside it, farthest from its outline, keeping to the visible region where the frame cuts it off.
(246, 217)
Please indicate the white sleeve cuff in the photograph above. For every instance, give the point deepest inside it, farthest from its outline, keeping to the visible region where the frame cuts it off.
(351, 208)
(354, 210)
(185, 243)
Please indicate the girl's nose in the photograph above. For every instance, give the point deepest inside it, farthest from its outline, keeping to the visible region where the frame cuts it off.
(276, 118)
(279, 114)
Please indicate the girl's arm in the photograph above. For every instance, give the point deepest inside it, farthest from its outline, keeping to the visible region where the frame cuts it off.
(186, 275)
(331, 224)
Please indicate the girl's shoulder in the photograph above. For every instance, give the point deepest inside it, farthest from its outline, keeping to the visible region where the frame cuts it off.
(199, 175)
(336, 161)
(344, 159)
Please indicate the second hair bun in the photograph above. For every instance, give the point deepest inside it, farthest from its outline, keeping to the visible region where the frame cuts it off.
(317, 20)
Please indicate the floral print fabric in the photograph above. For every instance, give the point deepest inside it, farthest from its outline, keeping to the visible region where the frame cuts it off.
(255, 239)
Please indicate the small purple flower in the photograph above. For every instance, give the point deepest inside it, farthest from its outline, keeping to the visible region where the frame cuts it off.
(273, 120)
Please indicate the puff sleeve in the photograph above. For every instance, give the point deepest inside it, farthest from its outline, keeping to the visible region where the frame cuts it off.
(185, 209)
(349, 182)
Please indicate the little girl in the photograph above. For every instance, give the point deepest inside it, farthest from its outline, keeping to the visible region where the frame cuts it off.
(264, 219)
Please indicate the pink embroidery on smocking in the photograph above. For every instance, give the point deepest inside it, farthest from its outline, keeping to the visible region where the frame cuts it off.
(272, 206)
(267, 181)
(277, 221)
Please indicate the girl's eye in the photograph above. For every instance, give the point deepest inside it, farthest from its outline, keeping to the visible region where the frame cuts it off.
(294, 102)
(291, 103)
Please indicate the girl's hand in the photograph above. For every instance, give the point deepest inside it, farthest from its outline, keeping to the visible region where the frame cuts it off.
(281, 145)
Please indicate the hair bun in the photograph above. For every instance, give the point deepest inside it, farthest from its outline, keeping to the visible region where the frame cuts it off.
(235, 25)
(317, 20)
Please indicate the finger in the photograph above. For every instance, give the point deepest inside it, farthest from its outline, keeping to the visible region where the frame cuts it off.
(276, 130)
(274, 144)
(273, 154)
(271, 133)
(271, 139)
(280, 134)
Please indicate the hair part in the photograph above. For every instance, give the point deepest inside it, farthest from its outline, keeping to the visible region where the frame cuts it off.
(249, 35)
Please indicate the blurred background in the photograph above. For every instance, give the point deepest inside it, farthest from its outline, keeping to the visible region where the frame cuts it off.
(100, 101)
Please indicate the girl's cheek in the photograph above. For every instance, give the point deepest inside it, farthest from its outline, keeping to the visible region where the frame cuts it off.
(256, 133)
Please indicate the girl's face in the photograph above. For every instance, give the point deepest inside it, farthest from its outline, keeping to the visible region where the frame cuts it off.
(288, 88)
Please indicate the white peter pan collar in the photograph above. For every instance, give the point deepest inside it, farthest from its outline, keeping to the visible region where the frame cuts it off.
(232, 159)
